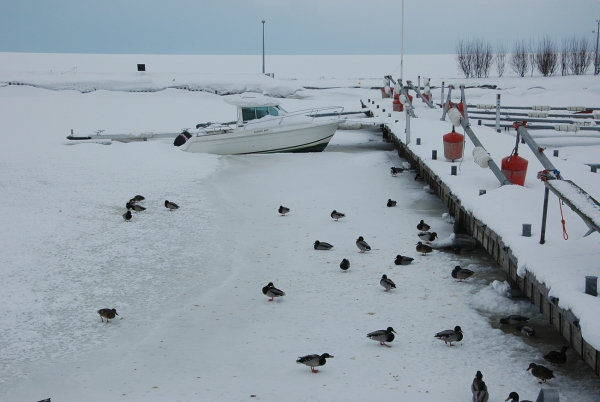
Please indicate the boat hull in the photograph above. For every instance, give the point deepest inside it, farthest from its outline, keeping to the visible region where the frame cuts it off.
(312, 137)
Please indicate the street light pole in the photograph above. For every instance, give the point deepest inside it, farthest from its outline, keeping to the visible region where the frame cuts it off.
(596, 61)
(263, 46)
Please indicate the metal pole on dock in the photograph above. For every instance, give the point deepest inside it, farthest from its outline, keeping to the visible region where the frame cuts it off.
(407, 124)
(544, 215)
(263, 22)
(497, 113)
(441, 96)
(447, 104)
(402, 47)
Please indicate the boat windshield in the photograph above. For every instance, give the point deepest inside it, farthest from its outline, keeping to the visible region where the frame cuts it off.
(252, 113)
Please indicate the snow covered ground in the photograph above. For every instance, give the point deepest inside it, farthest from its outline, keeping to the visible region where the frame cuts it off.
(193, 323)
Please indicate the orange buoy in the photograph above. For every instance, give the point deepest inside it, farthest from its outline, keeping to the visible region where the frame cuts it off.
(515, 169)
(396, 105)
(461, 108)
(453, 145)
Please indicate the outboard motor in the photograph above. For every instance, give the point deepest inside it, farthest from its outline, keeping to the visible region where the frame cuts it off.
(182, 138)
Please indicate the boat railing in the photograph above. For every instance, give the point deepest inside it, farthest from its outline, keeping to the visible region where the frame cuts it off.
(326, 111)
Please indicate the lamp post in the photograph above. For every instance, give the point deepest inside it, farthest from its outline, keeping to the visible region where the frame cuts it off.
(596, 61)
(263, 22)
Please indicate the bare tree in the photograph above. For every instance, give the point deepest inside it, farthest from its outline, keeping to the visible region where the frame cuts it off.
(565, 57)
(546, 56)
(581, 55)
(531, 55)
(500, 59)
(519, 58)
(463, 58)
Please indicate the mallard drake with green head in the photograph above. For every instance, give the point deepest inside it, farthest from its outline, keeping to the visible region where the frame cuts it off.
(387, 283)
(345, 264)
(423, 248)
(337, 215)
(391, 203)
(171, 205)
(557, 358)
(321, 245)
(271, 291)
(514, 319)
(403, 260)
(108, 313)
(476, 381)
(541, 372)
(314, 361)
(449, 336)
(423, 227)
(382, 336)
(362, 244)
(283, 210)
(514, 397)
(461, 273)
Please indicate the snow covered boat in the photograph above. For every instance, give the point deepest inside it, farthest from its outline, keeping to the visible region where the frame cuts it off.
(263, 126)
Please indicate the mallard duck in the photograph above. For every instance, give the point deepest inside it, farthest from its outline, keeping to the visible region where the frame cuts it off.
(283, 210)
(171, 205)
(423, 248)
(557, 358)
(402, 260)
(541, 372)
(362, 244)
(135, 207)
(337, 215)
(394, 171)
(139, 198)
(391, 203)
(127, 216)
(514, 319)
(314, 361)
(423, 227)
(321, 245)
(271, 291)
(107, 313)
(482, 394)
(514, 397)
(345, 264)
(476, 381)
(387, 283)
(461, 273)
(428, 236)
(450, 336)
(526, 330)
(382, 336)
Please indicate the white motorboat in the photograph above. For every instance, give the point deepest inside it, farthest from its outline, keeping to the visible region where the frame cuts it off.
(263, 126)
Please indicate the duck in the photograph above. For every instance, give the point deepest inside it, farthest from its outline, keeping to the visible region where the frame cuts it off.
(423, 248)
(526, 330)
(135, 207)
(391, 203)
(362, 244)
(557, 358)
(382, 336)
(394, 171)
(541, 372)
(423, 227)
(321, 245)
(345, 264)
(387, 283)
(271, 291)
(313, 361)
(418, 177)
(403, 260)
(337, 215)
(514, 397)
(171, 205)
(428, 236)
(139, 198)
(127, 216)
(450, 336)
(283, 210)
(482, 394)
(107, 313)
(461, 273)
(514, 319)
(476, 381)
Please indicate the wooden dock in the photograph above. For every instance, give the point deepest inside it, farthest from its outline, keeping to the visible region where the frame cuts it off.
(563, 320)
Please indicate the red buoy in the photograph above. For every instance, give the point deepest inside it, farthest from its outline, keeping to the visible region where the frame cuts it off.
(453, 145)
(461, 108)
(515, 169)
(396, 105)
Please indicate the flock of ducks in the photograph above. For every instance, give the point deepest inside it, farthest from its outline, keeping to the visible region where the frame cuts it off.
(133, 204)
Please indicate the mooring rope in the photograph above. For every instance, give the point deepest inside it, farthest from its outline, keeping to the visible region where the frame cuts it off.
(562, 220)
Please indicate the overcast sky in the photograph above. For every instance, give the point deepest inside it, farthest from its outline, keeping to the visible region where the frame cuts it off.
(292, 26)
